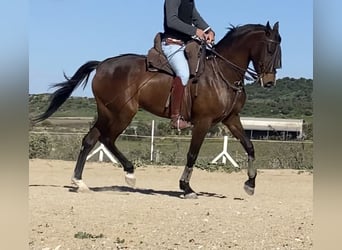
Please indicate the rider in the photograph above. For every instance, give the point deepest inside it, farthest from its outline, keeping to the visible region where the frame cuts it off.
(181, 23)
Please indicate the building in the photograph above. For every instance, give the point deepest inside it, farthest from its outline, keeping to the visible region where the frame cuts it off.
(273, 128)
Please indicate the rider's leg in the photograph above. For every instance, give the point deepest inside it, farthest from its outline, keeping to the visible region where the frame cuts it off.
(178, 62)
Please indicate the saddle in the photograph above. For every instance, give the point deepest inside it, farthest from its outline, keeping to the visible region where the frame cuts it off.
(157, 61)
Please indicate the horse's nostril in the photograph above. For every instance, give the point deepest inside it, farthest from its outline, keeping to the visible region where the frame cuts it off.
(268, 84)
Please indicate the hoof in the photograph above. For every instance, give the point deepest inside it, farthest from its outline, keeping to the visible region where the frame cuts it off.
(249, 190)
(130, 179)
(190, 196)
(80, 186)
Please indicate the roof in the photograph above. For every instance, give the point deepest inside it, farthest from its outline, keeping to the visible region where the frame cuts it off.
(272, 124)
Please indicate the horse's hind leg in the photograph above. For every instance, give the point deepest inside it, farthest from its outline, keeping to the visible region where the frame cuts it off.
(235, 126)
(88, 143)
(109, 142)
(118, 123)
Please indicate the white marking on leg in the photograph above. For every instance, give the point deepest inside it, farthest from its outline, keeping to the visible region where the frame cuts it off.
(80, 185)
(130, 179)
(191, 196)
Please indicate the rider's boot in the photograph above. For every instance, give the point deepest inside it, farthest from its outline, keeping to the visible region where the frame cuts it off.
(177, 121)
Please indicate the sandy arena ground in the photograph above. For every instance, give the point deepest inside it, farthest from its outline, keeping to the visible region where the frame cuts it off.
(153, 216)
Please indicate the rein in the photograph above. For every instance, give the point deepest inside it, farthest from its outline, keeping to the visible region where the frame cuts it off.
(236, 87)
(250, 71)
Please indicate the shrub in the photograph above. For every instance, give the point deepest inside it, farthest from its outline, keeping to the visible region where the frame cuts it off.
(66, 147)
(39, 146)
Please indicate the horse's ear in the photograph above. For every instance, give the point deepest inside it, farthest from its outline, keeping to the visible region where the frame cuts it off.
(268, 29)
(276, 26)
(268, 26)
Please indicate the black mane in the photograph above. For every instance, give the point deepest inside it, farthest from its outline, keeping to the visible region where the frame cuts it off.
(237, 31)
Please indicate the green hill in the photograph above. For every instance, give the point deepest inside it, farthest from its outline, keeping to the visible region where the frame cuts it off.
(290, 98)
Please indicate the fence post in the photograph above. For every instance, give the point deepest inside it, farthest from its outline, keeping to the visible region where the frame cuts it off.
(102, 149)
(224, 154)
(152, 140)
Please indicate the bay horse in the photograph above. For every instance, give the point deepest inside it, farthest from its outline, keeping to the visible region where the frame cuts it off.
(122, 85)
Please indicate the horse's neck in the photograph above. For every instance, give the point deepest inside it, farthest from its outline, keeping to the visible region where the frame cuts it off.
(234, 64)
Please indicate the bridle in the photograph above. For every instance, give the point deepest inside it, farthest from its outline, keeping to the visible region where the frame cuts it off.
(273, 63)
(275, 60)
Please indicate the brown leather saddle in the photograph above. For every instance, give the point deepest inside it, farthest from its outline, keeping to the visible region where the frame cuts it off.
(157, 61)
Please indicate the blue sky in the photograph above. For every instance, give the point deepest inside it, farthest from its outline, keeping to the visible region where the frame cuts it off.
(64, 34)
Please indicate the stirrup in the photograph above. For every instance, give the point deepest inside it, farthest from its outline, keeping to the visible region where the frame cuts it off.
(179, 123)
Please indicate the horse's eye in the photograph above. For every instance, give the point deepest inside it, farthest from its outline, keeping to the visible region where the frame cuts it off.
(270, 48)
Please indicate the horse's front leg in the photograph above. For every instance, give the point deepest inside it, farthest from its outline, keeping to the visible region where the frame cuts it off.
(235, 126)
(199, 131)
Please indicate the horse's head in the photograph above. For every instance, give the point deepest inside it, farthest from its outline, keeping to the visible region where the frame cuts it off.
(266, 54)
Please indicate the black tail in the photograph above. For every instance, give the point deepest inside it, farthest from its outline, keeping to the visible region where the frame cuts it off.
(66, 88)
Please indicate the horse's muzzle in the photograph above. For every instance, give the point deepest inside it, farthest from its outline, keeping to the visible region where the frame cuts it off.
(267, 80)
(269, 84)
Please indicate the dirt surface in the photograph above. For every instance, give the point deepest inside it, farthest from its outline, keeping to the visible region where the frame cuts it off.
(153, 216)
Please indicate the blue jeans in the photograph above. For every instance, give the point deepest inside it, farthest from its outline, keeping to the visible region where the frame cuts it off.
(178, 62)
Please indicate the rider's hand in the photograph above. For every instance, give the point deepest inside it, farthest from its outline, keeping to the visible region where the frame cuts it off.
(200, 34)
(210, 37)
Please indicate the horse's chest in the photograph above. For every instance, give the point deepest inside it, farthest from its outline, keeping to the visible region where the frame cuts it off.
(234, 102)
